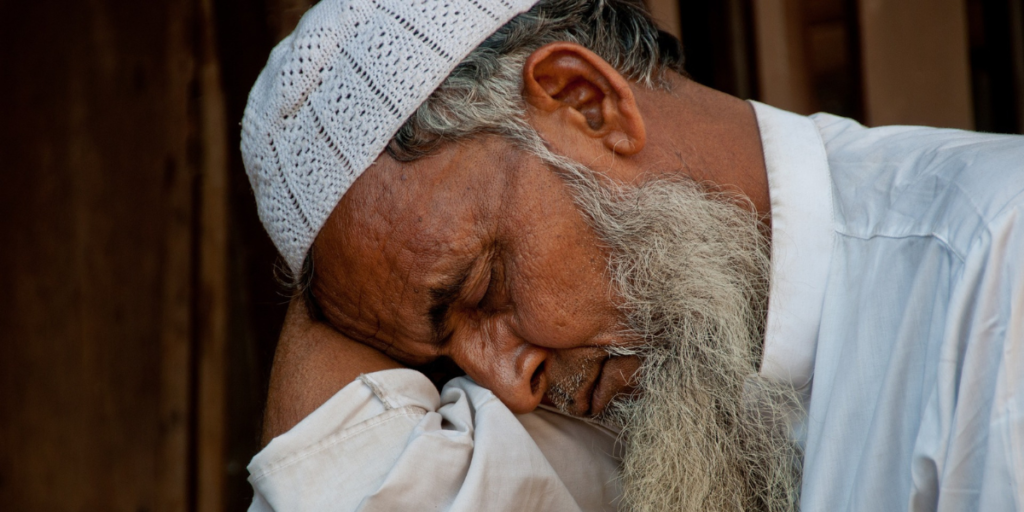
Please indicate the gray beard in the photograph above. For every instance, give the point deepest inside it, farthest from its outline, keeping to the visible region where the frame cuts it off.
(705, 431)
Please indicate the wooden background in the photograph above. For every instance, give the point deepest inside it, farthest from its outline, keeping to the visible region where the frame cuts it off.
(139, 311)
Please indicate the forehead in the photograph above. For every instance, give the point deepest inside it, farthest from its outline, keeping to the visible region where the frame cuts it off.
(402, 229)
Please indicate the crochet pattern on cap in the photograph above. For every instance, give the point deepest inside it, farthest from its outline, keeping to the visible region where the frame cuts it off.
(336, 91)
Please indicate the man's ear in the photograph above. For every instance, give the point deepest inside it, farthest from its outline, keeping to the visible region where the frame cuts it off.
(573, 85)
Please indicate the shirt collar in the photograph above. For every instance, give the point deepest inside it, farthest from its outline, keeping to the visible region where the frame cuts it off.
(800, 188)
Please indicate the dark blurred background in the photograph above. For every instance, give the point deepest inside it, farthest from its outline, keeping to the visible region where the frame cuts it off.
(140, 312)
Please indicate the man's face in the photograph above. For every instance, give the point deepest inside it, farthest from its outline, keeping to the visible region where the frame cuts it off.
(477, 253)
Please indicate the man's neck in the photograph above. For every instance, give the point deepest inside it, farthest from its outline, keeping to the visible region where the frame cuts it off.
(709, 135)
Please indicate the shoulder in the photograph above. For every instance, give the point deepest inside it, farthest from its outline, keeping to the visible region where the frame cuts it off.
(981, 162)
(899, 181)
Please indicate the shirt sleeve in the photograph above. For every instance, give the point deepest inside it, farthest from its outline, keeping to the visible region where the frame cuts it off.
(978, 415)
(993, 397)
(389, 441)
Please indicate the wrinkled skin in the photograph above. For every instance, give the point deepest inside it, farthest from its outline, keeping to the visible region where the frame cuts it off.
(535, 307)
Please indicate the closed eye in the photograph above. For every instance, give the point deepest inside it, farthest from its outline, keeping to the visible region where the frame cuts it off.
(488, 295)
(478, 299)
(493, 297)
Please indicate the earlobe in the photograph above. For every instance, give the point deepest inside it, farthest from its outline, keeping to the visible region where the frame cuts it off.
(568, 84)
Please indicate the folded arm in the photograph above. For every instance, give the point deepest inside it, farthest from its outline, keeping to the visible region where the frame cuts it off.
(342, 434)
(312, 362)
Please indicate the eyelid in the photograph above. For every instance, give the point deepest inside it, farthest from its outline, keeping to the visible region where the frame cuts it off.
(482, 286)
(472, 287)
(490, 283)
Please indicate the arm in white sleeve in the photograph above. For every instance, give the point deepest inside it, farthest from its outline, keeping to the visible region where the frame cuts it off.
(982, 463)
(389, 442)
(999, 324)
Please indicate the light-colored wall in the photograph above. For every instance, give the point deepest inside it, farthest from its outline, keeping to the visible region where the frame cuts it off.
(915, 63)
(782, 62)
(914, 60)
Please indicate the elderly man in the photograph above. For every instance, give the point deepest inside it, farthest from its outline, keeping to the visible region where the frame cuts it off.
(662, 297)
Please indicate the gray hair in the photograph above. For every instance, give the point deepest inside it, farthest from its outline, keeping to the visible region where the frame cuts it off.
(483, 93)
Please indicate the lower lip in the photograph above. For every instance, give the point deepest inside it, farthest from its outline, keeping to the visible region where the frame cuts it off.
(597, 396)
(613, 380)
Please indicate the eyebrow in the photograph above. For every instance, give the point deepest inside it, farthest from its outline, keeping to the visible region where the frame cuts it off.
(441, 299)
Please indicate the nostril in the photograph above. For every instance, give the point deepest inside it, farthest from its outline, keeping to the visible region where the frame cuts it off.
(535, 379)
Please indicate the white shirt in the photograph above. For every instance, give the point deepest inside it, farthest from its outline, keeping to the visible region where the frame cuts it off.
(897, 303)
(914, 340)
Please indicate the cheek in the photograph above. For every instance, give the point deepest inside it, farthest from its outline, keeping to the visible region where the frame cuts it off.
(562, 295)
(558, 280)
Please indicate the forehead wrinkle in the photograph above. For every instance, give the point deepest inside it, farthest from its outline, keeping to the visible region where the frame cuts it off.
(359, 299)
(392, 323)
(444, 251)
(414, 223)
(421, 249)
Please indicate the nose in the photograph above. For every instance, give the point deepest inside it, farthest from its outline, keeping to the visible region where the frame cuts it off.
(514, 371)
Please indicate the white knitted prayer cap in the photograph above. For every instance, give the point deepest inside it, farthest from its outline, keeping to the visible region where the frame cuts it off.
(336, 91)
